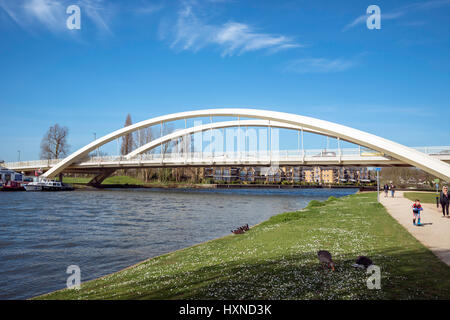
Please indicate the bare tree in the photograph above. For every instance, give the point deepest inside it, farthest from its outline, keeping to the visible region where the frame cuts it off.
(127, 140)
(54, 143)
(165, 174)
(144, 136)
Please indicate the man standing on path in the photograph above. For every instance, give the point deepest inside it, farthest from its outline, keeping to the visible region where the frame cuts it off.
(444, 199)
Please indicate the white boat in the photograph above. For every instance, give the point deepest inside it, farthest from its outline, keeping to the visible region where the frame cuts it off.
(10, 180)
(47, 185)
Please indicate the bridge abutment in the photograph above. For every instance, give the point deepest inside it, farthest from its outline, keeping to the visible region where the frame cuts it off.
(99, 178)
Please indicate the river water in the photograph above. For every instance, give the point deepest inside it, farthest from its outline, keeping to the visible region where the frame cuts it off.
(103, 231)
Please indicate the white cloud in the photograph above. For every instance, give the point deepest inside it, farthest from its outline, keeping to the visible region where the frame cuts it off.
(98, 12)
(418, 6)
(49, 12)
(319, 65)
(30, 14)
(362, 19)
(233, 38)
(148, 8)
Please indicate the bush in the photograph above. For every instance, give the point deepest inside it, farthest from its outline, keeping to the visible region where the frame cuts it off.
(315, 203)
(331, 199)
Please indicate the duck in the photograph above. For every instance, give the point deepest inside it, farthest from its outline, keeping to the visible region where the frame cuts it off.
(363, 262)
(325, 258)
(238, 231)
(241, 229)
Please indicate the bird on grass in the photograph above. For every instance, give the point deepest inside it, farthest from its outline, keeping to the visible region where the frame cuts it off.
(325, 258)
(241, 230)
(363, 262)
(238, 231)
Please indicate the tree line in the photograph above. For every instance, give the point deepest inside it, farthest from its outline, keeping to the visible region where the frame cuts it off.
(54, 145)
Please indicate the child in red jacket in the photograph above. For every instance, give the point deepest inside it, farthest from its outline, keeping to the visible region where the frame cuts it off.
(417, 207)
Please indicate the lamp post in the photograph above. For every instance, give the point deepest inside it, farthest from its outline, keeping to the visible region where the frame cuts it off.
(378, 183)
(18, 156)
(95, 138)
(436, 182)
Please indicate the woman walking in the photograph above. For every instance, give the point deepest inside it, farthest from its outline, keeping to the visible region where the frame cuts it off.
(445, 200)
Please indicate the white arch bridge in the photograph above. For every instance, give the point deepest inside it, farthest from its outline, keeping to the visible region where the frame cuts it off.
(372, 150)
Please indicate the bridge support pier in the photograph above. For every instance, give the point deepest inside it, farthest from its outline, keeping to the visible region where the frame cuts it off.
(99, 178)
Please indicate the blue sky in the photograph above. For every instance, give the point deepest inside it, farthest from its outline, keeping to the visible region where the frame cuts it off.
(148, 58)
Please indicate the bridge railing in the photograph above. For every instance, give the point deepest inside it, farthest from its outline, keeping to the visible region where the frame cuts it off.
(442, 150)
(32, 163)
(250, 155)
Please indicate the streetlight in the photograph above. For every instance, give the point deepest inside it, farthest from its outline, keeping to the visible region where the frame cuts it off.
(378, 183)
(18, 157)
(95, 138)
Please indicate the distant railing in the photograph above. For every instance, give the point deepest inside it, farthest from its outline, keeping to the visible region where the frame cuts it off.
(443, 150)
(244, 156)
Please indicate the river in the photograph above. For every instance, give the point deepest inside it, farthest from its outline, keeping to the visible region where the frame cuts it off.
(103, 231)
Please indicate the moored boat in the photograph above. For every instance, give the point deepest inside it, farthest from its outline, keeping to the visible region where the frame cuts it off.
(47, 185)
(10, 180)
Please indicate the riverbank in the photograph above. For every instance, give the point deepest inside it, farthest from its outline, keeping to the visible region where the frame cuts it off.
(131, 182)
(277, 260)
(134, 183)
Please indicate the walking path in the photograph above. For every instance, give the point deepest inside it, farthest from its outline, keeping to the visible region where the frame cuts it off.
(435, 231)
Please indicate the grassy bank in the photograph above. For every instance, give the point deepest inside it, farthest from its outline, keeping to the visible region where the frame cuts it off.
(131, 181)
(277, 260)
(110, 180)
(127, 180)
(424, 197)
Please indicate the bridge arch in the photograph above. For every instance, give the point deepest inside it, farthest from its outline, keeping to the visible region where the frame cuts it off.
(215, 125)
(391, 148)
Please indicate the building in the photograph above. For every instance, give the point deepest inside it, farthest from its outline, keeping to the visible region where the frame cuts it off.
(354, 174)
(321, 175)
(325, 175)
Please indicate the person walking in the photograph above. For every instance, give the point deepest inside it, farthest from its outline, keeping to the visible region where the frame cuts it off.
(392, 190)
(386, 190)
(444, 199)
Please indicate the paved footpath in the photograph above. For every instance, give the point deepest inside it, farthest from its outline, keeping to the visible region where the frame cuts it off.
(434, 234)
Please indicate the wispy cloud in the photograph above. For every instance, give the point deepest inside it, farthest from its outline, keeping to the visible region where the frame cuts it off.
(26, 13)
(402, 11)
(30, 14)
(362, 19)
(318, 65)
(146, 7)
(233, 38)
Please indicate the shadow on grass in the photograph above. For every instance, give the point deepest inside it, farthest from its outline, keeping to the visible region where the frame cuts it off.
(404, 275)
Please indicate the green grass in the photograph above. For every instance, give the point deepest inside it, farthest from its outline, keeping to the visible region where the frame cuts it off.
(122, 180)
(277, 260)
(110, 180)
(424, 197)
(76, 180)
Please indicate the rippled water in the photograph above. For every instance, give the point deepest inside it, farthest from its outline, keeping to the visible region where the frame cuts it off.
(103, 231)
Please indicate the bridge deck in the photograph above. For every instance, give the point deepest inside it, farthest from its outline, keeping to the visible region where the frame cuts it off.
(343, 157)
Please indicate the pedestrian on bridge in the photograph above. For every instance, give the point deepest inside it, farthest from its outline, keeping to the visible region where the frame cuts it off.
(445, 201)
